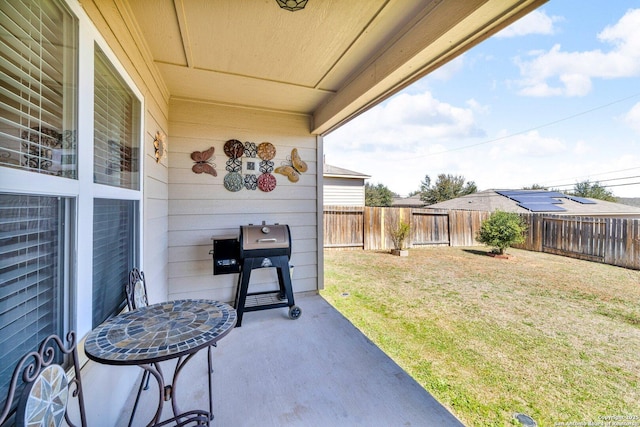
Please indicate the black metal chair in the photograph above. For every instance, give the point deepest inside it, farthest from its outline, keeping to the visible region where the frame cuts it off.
(136, 292)
(40, 390)
(45, 387)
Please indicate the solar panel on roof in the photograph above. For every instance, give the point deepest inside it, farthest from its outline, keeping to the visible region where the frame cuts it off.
(556, 194)
(515, 194)
(541, 207)
(581, 200)
(536, 199)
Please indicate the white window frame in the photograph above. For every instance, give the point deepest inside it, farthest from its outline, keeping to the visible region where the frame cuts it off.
(89, 37)
(83, 189)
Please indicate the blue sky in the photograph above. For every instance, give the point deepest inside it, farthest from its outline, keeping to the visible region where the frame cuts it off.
(554, 99)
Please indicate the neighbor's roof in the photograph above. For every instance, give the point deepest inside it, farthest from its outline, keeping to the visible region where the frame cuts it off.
(491, 200)
(336, 172)
(630, 201)
(407, 202)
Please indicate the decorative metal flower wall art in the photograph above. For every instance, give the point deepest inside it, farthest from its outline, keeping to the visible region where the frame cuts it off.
(202, 164)
(249, 166)
(295, 168)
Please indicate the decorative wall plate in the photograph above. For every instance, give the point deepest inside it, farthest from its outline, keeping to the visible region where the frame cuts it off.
(233, 181)
(266, 151)
(234, 148)
(266, 182)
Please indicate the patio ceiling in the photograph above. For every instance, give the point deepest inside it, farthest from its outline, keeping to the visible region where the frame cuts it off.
(332, 60)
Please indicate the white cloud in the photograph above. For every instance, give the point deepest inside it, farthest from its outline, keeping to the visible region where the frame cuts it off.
(582, 148)
(527, 145)
(632, 118)
(477, 107)
(558, 72)
(536, 22)
(406, 123)
(402, 140)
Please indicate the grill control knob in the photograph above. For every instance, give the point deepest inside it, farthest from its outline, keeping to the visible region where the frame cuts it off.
(266, 230)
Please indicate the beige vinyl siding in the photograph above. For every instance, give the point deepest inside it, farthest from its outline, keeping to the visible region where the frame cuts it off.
(200, 207)
(343, 191)
(113, 17)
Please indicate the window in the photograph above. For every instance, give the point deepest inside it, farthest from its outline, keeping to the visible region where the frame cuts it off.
(116, 146)
(38, 63)
(38, 103)
(114, 254)
(49, 191)
(33, 241)
(116, 128)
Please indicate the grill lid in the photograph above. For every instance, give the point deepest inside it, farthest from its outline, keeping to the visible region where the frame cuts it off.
(264, 237)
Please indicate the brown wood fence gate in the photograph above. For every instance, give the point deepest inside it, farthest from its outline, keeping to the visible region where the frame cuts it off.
(614, 241)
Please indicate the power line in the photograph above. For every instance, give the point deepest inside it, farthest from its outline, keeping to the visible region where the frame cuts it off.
(620, 185)
(573, 116)
(595, 174)
(608, 186)
(597, 182)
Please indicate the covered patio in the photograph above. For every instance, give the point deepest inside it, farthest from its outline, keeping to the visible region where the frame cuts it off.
(318, 370)
(120, 122)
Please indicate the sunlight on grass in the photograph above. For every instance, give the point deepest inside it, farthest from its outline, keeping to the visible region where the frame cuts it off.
(552, 337)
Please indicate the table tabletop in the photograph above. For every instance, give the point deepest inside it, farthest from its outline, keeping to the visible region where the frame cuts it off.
(159, 332)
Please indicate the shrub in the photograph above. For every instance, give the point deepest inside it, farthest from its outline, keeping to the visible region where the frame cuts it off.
(399, 234)
(502, 230)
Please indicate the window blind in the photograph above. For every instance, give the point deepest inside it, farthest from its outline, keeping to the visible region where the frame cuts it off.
(38, 63)
(116, 128)
(31, 283)
(114, 254)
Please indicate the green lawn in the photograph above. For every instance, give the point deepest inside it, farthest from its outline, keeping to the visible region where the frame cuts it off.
(552, 337)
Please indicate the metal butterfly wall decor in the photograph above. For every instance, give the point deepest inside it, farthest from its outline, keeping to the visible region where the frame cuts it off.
(295, 169)
(202, 164)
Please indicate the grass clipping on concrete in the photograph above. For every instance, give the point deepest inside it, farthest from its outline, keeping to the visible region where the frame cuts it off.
(552, 337)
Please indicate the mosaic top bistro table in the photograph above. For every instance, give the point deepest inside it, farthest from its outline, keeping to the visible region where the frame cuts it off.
(159, 332)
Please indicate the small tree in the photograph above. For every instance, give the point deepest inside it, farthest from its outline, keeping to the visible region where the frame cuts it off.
(593, 190)
(377, 195)
(501, 230)
(447, 187)
(399, 234)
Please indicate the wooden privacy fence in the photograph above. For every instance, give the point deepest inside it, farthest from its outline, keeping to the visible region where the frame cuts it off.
(614, 241)
(369, 228)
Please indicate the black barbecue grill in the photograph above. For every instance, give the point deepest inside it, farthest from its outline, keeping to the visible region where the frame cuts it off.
(258, 246)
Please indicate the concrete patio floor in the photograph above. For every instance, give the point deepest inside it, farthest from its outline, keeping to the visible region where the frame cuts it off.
(318, 370)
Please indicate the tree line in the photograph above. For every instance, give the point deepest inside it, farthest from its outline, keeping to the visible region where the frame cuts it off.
(448, 186)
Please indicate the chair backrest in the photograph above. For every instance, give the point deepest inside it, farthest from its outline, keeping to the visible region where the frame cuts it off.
(47, 389)
(136, 290)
